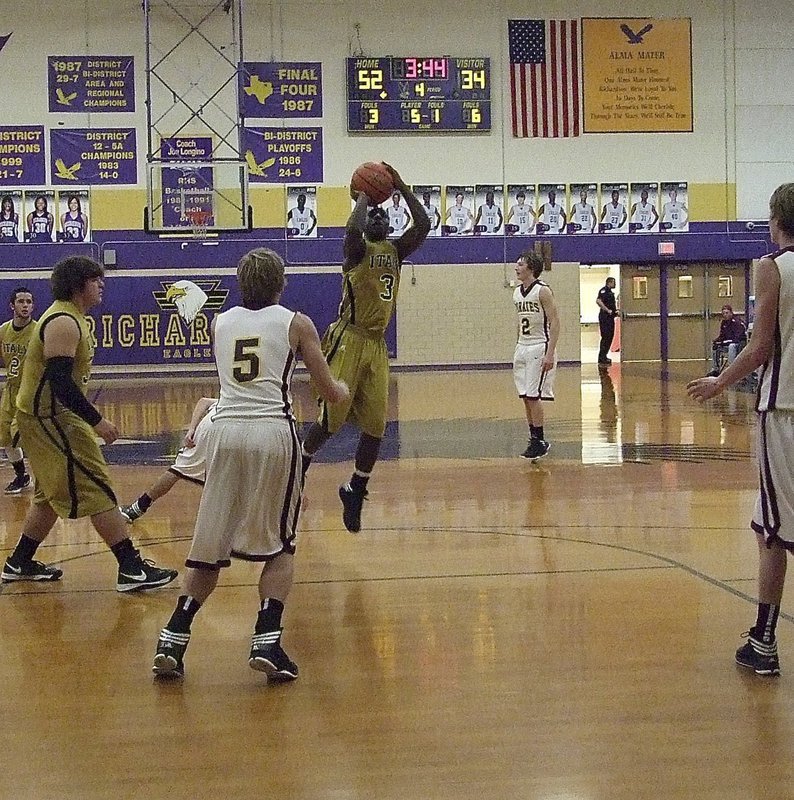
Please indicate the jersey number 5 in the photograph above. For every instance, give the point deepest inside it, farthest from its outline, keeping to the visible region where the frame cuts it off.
(246, 364)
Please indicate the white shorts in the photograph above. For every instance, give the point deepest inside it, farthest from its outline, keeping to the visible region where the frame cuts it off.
(774, 508)
(251, 501)
(191, 462)
(531, 382)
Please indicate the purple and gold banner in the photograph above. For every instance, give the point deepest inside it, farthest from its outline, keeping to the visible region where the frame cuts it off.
(95, 84)
(284, 155)
(187, 188)
(22, 155)
(281, 89)
(93, 156)
(142, 322)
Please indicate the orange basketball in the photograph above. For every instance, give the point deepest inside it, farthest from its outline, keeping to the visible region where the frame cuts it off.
(374, 180)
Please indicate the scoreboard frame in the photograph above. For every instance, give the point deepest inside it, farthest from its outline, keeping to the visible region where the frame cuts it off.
(413, 94)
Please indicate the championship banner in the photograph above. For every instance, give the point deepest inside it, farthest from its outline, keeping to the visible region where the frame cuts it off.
(91, 84)
(93, 156)
(22, 155)
(281, 89)
(186, 188)
(284, 155)
(637, 75)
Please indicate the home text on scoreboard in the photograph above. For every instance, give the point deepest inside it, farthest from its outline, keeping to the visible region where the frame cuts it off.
(433, 94)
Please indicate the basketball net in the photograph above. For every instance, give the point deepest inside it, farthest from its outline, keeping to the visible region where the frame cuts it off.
(199, 222)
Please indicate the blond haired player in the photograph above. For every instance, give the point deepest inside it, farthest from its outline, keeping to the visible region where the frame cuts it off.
(14, 338)
(354, 345)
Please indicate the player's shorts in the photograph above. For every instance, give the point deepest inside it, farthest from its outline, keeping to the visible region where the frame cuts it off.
(9, 433)
(251, 500)
(70, 470)
(530, 380)
(774, 507)
(361, 360)
(191, 462)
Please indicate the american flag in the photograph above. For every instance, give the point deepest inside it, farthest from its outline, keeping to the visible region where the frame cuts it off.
(544, 77)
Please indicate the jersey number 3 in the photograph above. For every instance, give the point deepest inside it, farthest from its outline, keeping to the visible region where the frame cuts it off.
(246, 364)
(388, 286)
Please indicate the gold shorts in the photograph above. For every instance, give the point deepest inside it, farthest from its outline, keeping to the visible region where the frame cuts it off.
(362, 362)
(70, 470)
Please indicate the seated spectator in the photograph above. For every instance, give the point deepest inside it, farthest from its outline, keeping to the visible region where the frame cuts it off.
(730, 340)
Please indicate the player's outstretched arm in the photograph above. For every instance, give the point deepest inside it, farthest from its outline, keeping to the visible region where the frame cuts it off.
(354, 246)
(762, 342)
(412, 239)
(303, 337)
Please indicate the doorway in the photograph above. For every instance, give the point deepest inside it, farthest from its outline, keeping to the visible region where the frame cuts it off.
(591, 278)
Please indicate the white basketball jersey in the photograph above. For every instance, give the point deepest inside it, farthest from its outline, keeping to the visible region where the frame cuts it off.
(302, 220)
(551, 216)
(489, 217)
(674, 214)
(398, 218)
(459, 217)
(432, 215)
(615, 214)
(583, 216)
(521, 215)
(533, 327)
(776, 388)
(643, 214)
(255, 363)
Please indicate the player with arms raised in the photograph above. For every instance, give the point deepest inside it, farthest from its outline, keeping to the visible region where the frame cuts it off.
(354, 345)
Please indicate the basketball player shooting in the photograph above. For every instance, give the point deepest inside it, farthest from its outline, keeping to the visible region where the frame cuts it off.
(354, 345)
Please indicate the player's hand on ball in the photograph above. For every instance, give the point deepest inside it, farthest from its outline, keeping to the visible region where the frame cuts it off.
(703, 389)
(398, 182)
(107, 430)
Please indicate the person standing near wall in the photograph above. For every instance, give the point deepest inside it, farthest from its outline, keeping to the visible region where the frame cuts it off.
(607, 311)
(772, 348)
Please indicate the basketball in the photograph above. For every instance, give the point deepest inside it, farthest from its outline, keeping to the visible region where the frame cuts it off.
(374, 180)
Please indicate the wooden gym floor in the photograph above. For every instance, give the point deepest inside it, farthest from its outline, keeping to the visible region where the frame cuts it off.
(499, 629)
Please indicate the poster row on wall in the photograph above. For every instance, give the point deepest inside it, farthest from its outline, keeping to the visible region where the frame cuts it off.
(522, 209)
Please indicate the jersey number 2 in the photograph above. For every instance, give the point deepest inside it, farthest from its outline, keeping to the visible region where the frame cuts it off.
(246, 364)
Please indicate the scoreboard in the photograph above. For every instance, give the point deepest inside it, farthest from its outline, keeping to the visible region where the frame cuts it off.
(418, 94)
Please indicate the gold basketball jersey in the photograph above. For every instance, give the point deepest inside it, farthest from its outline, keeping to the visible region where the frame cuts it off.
(35, 395)
(14, 344)
(370, 288)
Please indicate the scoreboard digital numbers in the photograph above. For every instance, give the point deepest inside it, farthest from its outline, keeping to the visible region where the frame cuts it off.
(418, 95)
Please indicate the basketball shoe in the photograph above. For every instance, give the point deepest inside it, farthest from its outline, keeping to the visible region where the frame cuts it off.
(18, 485)
(30, 571)
(352, 503)
(144, 575)
(169, 657)
(761, 657)
(131, 512)
(268, 656)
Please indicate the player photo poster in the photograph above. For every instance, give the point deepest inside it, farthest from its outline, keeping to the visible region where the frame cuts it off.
(301, 212)
(459, 216)
(552, 217)
(582, 217)
(644, 214)
(430, 198)
(489, 201)
(399, 215)
(614, 216)
(675, 211)
(521, 209)
(40, 209)
(11, 217)
(73, 216)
